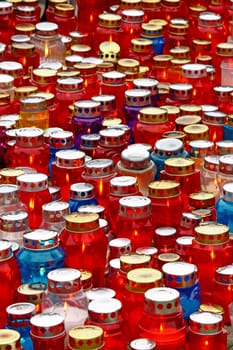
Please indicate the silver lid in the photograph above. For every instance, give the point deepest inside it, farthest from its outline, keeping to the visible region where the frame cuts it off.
(169, 147)
(165, 231)
(142, 344)
(14, 221)
(36, 182)
(87, 108)
(40, 239)
(135, 207)
(99, 167)
(64, 280)
(104, 311)
(70, 158)
(135, 160)
(9, 194)
(82, 190)
(100, 293)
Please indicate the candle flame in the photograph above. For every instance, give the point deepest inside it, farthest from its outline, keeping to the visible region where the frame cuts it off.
(110, 37)
(214, 136)
(161, 328)
(101, 187)
(91, 18)
(206, 343)
(131, 31)
(65, 306)
(212, 255)
(135, 233)
(85, 83)
(209, 36)
(67, 178)
(46, 50)
(31, 204)
(83, 247)
(30, 159)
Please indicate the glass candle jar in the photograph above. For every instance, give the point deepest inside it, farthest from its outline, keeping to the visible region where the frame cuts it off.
(33, 112)
(53, 214)
(224, 206)
(89, 143)
(47, 331)
(80, 337)
(44, 79)
(164, 239)
(138, 281)
(29, 150)
(31, 293)
(134, 221)
(167, 148)
(223, 286)
(81, 193)
(183, 277)
(119, 246)
(203, 200)
(64, 17)
(184, 248)
(13, 225)
(10, 277)
(87, 119)
(209, 174)
(18, 319)
(224, 173)
(7, 22)
(152, 123)
(10, 199)
(39, 255)
(222, 98)
(188, 221)
(34, 193)
(108, 28)
(153, 32)
(141, 49)
(199, 149)
(215, 122)
(162, 319)
(48, 42)
(67, 169)
(211, 249)
(205, 331)
(139, 165)
(99, 172)
(10, 337)
(107, 314)
(83, 235)
(14, 69)
(166, 203)
(65, 296)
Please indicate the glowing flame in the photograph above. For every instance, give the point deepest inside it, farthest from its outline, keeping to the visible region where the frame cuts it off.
(206, 343)
(67, 178)
(83, 247)
(161, 328)
(65, 307)
(85, 83)
(110, 37)
(209, 36)
(212, 255)
(23, 61)
(31, 204)
(131, 31)
(194, 92)
(46, 50)
(31, 160)
(101, 187)
(91, 18)
(214, 137)
(135, 233)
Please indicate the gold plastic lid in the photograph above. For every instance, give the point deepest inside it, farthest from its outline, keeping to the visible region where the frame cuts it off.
(82, 222)
(139, 280)
(151, 30)
(214, 308)
(190, 109)
(212, 233)
(44, 75)
(9, 339)
(86, 337)
(197, 132)
(86, 279)
(141, 45)
(202, 200)
(179, 166)
(109, 20)
(24, 91)
(25, 28)
(31, 292)
(128, 64)
(188, 119)
(64, 10)
(180, 52)
(168, 257)
(162, 61)
(9, 175)
(153, 115)
(163, 189)
(130, 261)
(80, 49)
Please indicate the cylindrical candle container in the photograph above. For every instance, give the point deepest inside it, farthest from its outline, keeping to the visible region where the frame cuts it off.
(13, 225)
(203, 200)
(85, 245)
(137, 164)
(80, 337)
(209, 174)
(34, 193)
(47, 331)
(107, 314)
(215, 122)
(225, 173)
(66, 297)
(188, 221)
(31, 293)
(53, 214)
(10, 337)
(199, 149)
(18, 319)
(184, 248)
(183, 276)
(211, 249)
(64, 17)
(10, 277)
(14, 69)
(164, 239)
(206, 331)
(134, 221)
(33, 112)
(39, 255)
(119, 246)
(223, 286)
(152, 252)
(138, 281)
(81, 193)
(162, 319)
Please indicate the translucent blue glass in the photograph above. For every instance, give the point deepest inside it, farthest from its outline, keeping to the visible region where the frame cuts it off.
(190, 299)
(76, 203)
(224, 212)
(227, 132)
(25, 339)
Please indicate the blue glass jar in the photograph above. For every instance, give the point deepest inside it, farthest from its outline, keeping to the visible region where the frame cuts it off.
(40, 254)
(154, 33)
(167, 148)
(224, 206)
(18, 319)
(81, 193)
(59, 140)
(228, 128)
(183, 277)
(87, 119)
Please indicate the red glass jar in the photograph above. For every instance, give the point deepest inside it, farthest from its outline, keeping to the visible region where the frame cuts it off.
(68, 91)
(223, 287)
(222, 98)
(142, 50)
(162, 319)
(107, 29)
(152, 9)
(138, 281)
(119, 246)
(31, 293)
(151, 125)
(108, 107)
(196, 132)
(134, 221)
(211, 249)
(49, 12)
(203, 200)
(215, 122)
(183, 248)
(30, 150)
(89, 143)
(48, 331)
(25, 54)
(20, 92)
(80, 337)
(99, 172)
(85, 245)
(188, 222)
(171, 9)
(128, 5)
(7, 20)
(166, 203)
(34, 193)
(67, 170)
(160, 67)
(164, 239)
(25, 14)
(120, 186)
(131, 28)
(183, 171)
(107, 314)
(10, 277)
(91, 83)
(64, 17)
(206, 331)
(44, 79)
(14, 69)
(177, 35)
